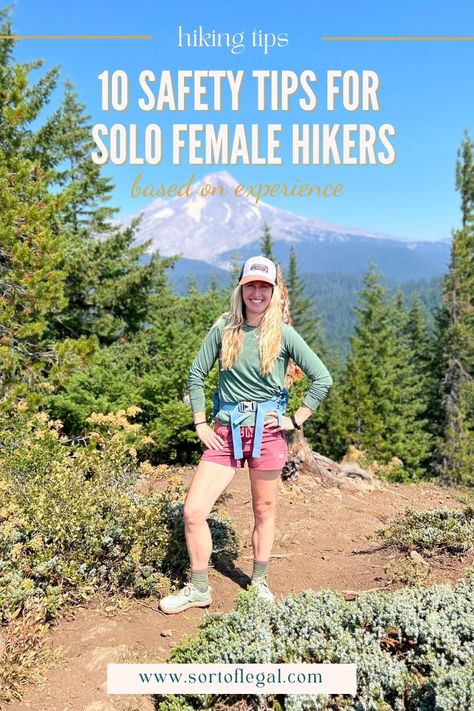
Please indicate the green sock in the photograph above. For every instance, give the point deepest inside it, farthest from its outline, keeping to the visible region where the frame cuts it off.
(200, 579)
(259, 570)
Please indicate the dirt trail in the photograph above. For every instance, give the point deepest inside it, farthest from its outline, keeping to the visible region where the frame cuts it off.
(321, 542)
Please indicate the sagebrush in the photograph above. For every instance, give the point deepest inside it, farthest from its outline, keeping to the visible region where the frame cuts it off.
(436, 531)
(414, 648)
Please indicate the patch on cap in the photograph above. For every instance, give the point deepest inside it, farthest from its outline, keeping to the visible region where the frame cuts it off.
(258, 269)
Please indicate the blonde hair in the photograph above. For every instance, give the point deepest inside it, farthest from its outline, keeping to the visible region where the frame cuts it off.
(270, 332)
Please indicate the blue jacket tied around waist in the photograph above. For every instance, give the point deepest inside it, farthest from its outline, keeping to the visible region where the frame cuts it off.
(240, 410)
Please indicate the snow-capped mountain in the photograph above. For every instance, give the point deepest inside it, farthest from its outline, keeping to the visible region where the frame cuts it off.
(212, 229)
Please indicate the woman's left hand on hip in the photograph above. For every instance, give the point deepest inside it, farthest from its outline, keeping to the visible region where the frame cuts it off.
(273, 426)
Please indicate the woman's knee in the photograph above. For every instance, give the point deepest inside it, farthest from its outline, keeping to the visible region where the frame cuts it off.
(264, 511)
(194, 515)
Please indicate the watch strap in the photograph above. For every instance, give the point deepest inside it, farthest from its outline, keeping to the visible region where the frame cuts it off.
(295, 424)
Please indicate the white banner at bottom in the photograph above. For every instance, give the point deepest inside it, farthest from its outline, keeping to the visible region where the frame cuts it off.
(232, 679)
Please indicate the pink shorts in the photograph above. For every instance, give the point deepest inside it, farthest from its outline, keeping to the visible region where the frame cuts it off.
(273, 455)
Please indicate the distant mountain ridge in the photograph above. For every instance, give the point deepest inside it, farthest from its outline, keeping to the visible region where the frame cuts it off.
(214, 230)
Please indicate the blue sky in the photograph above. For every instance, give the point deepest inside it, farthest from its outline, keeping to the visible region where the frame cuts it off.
(426, 92)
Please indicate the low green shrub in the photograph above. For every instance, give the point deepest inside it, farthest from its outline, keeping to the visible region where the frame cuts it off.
(149, 369)
(414, 648)
(72, 521)
(430, 532)
(447, 688)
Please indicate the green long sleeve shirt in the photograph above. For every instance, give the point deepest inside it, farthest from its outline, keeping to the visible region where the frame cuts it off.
(244, 380)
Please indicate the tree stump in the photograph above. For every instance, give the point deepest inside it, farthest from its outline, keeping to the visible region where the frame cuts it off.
(346, 476)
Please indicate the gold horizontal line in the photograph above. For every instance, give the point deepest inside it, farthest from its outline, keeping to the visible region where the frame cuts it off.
(77, 37)
(400, 39)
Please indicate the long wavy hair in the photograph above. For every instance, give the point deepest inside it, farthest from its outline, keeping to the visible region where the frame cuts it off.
(269, 343)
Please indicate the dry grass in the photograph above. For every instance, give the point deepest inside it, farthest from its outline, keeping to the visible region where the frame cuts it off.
(24, 657)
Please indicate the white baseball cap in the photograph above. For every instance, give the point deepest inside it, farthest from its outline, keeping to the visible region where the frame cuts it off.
(258, 269)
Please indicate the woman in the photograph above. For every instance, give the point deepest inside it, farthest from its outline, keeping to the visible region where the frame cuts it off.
(253, 346)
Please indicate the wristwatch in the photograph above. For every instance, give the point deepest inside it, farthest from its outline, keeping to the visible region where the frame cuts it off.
(295, 424)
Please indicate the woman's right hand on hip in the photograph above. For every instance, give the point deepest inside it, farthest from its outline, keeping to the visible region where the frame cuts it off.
(208, 437)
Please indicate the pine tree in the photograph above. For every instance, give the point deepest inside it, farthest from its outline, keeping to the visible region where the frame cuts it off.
(303, 308)
(455, 452)
(382, 395)
(418, 335)
(21, 101)
(31, 280)
(115, 293)
(87, 210)
(32, 247)
(423, 355)
(111, 283)
(266, 243)
(326, 430)
(235, 270)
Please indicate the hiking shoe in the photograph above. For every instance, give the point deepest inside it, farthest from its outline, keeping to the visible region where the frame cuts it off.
(263, 591)
(189, 596)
